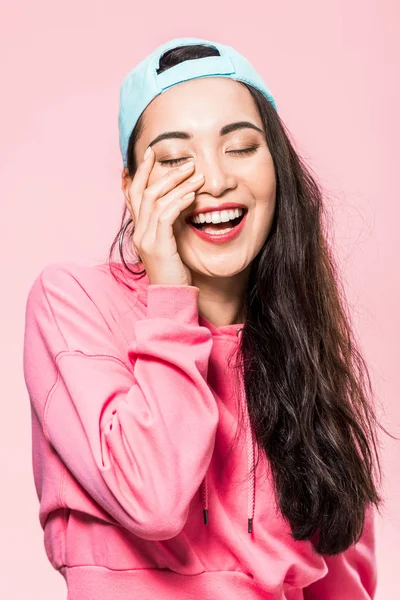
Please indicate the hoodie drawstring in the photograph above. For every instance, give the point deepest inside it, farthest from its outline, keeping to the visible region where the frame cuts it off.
(250, 466)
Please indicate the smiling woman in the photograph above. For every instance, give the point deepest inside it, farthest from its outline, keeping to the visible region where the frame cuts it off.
(138, 406)
(309, 395)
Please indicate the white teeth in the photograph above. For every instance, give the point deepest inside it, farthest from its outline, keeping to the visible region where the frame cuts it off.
(216, 216)
(219, 231)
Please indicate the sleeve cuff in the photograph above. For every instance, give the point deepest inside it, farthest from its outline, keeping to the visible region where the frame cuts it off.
(178, 302)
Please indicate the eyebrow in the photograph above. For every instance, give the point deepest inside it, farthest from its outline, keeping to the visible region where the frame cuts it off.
(184, 135)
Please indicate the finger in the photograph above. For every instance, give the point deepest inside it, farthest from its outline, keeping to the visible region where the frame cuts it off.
(179, 192)
(168, 183)
(159, 231)
(140, 182)
(167, 218)
(170, 180)
(150, 219)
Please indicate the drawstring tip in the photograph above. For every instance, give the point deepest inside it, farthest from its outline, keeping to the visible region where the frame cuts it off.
(205, 515)
(250, 525)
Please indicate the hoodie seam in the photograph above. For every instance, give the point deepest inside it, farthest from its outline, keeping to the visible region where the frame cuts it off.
(134, 569)
(53, 388)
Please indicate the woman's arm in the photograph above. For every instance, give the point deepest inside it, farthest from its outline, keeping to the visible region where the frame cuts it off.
(137, 431)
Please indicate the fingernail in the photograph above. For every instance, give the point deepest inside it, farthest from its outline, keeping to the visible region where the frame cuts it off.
(147, 153)
(186, 166)
(196, 178)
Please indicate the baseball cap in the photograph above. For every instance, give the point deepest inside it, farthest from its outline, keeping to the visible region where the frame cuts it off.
(143, 83)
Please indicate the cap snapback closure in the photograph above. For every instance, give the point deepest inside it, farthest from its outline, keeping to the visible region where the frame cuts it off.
(191, 69)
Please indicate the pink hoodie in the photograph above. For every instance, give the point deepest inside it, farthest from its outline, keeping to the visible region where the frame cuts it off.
(133, 413)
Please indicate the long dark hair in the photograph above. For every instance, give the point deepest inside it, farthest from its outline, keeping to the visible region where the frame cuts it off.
(308, 390)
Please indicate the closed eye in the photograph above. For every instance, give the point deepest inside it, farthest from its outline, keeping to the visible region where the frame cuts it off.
(249, 150)
(176, 161)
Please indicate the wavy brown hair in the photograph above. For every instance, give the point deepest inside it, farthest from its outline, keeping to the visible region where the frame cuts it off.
(309, 394)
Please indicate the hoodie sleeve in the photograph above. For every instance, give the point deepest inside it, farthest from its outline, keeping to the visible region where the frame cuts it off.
(352, 575)
(137, 431)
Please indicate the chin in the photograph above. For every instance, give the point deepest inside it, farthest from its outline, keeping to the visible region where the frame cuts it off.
(217, 272)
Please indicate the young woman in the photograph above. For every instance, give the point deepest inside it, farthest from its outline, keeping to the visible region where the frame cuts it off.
(203, 426)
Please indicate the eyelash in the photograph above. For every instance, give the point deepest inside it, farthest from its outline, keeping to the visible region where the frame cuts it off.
(175, 161)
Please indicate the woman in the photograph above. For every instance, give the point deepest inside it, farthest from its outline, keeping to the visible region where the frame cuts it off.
(137, 403)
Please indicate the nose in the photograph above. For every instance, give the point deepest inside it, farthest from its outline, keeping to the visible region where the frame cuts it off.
(218, 179)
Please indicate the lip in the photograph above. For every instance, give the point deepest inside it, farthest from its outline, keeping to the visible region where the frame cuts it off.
(220, 238)
(205, 209)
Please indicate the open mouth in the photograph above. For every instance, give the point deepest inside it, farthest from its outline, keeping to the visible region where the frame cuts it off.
(231, 224)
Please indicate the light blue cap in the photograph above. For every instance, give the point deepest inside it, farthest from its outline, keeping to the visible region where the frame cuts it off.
(143, 83)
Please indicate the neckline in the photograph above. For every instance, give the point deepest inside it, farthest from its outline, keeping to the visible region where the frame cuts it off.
(230, 330)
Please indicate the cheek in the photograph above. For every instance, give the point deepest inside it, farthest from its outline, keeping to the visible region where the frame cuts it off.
(263, 183)
(264, 194)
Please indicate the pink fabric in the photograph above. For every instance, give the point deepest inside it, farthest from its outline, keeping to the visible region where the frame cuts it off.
(134, 408)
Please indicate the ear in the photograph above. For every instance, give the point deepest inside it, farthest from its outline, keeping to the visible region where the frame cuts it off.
(126, 181)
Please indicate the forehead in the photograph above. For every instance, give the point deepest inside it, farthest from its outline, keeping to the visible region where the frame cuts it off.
(201, 103)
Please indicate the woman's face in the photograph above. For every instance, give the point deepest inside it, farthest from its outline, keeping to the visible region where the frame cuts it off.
(201, 108)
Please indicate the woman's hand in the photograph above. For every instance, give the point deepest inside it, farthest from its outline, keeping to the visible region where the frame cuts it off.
(155, 209)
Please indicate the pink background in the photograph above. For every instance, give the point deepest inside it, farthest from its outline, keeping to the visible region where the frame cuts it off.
(334, 69)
